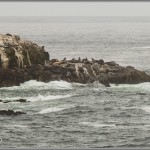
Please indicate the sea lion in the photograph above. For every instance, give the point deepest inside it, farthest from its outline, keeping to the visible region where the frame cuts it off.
(93, 60)
(58, 63)
(42, 48)
(8, 34)
(129, 67)
(111, 63)
(79, 59)
(83, 60)
(101, 62)
(86, 61)
(73, 60)
(64, 59)
(54, 61)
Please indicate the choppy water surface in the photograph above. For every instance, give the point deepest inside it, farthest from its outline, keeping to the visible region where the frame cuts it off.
(62, 114)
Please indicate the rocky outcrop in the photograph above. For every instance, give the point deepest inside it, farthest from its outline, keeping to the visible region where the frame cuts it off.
(15, 52)
(18, 100)
(23, 61)
(11, 112)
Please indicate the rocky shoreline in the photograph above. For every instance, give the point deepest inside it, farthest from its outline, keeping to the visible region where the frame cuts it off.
(22, 60)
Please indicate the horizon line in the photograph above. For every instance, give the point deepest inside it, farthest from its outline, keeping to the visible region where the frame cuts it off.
(76, 16)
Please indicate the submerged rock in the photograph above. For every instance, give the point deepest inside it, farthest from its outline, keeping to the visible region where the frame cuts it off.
(21, 100)
(11, 112)
(22, 60)
(18, 100)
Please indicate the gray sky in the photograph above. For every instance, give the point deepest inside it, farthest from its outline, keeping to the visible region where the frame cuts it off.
(74, 8)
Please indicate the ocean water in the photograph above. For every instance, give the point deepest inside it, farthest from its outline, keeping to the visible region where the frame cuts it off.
(72, 115)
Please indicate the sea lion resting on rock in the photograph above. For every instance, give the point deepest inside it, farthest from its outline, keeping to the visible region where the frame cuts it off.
(111, 63)
(53, 61)
(73, 61)
(101, 61)
(86, 61)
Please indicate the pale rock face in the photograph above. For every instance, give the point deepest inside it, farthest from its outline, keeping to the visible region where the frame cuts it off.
(15, 52)
(4, 58)
(77, 66)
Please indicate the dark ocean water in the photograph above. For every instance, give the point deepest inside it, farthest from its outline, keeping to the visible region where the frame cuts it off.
(62, 114)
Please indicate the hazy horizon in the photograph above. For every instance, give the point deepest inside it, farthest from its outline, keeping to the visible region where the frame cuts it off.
(74, 9)
(74, 16)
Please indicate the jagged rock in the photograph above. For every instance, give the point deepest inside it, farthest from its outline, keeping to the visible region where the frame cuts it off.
(21, 100)
(18, 100)
(11, 112)
(15, 52)
(6, 101)
(73, 72)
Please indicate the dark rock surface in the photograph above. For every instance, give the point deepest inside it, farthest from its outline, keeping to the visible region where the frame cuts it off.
(18, 100)
(22, 61)
(11, 112)
(21, 100)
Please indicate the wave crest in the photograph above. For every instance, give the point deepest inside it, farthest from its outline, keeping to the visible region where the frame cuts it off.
(37, 85)
(47, 98)
(56, 109)
(97, 125)
(144, 87)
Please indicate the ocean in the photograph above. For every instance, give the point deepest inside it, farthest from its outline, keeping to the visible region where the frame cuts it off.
(73, 115)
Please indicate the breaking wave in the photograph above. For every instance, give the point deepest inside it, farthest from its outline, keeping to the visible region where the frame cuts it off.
(97, 125)
(56, 109)
(38, 98)
(146, 108)
(37, 85)
(47, 98)
(142, 87)
(142, 47)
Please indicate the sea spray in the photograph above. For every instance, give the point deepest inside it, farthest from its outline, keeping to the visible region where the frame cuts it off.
(142, 87)
(47, 98)
(56, 109)
(37, 85)
(97, 125)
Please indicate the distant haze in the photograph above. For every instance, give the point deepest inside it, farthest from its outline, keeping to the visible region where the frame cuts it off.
(74, 8)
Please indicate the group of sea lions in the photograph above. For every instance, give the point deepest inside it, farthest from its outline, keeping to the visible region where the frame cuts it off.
(79, 60)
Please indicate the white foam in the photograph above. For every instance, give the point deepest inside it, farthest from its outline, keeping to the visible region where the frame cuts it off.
(132, 87)
(97, 125)
(97, 85)
(47, 98)
(146, 108)
(20, 126)
(79, 84)
(37, 98)
(142, 47)
(56, 109)
(11, 98)
(147, 126)
(16, 125)
(33, 84)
